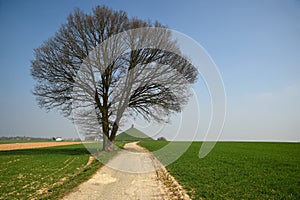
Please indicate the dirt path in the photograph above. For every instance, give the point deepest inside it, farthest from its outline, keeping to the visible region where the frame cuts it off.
(129, 175)
(30, 145)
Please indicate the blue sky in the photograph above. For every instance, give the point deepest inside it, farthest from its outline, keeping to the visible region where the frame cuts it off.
(255, 44)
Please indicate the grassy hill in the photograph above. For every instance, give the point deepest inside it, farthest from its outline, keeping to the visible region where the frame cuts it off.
(133, 134)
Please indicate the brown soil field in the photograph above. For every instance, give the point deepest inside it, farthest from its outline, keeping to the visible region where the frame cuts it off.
(31, 145)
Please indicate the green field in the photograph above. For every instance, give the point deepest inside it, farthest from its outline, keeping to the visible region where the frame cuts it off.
(238, 170)
(44, 173)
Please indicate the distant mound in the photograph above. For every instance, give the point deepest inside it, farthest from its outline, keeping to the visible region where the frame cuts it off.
(133, 134)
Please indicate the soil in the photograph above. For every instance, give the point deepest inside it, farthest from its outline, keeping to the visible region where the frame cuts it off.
(31, 145)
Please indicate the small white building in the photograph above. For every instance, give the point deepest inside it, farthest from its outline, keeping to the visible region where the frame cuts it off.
(58, 139)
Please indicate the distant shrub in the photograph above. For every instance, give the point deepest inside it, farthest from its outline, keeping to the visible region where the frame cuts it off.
(162, 139)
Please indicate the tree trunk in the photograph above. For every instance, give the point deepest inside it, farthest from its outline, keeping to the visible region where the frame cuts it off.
(108, 145)
(104, 144)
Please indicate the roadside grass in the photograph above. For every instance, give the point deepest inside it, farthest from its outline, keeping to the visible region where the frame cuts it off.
(237, 170)
(45, 173)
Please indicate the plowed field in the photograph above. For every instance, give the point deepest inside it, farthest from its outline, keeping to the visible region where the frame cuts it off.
(31, 145)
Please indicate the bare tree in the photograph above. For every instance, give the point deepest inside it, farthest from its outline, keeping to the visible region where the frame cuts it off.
(101, 74)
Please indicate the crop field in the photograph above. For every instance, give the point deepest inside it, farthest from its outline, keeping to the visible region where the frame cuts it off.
(237, 170)
(44, 173)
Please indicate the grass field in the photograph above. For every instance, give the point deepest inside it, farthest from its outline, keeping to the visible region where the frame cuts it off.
(44, 173)
(238, 170)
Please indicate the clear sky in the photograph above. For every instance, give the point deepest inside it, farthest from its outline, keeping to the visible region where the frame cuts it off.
(255, 44)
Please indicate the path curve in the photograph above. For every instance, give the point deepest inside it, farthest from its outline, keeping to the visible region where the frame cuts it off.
(110, 183)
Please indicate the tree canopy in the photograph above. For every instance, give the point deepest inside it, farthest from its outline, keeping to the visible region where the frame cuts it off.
(104, 66)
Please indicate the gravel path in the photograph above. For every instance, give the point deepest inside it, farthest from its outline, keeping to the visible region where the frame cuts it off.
(129, 175)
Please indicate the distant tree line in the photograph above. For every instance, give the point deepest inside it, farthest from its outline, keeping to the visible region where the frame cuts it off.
(22, 138)
(32, 138)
